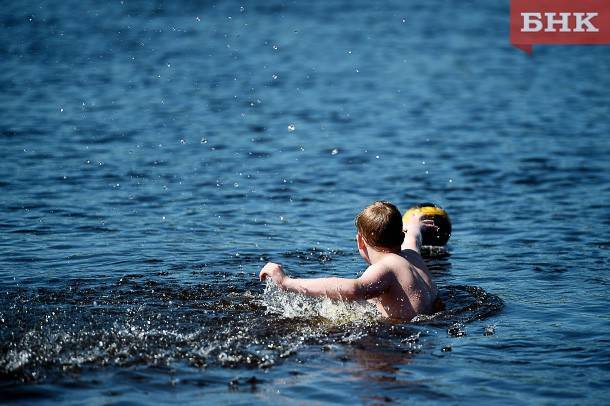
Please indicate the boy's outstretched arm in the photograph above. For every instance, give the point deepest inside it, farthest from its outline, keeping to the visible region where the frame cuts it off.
(373, 282)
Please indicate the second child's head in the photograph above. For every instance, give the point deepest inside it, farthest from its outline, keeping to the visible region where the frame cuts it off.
(380, 227)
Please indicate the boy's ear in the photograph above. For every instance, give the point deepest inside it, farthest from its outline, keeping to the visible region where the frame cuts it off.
(360, 241)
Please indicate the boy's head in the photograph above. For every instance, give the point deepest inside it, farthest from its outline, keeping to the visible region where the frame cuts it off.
(380, 225)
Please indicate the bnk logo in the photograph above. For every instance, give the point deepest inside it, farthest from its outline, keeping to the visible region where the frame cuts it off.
(559, 22)
(533, 22)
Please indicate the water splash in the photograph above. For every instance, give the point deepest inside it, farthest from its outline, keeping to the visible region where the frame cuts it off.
(136, 321)
(291, 305)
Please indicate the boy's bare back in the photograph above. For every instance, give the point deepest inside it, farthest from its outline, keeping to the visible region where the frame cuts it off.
(409, 289)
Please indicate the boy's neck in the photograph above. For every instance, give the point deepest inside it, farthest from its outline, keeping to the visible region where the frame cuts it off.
(376, 255)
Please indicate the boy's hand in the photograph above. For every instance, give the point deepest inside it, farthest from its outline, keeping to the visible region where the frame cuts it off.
(416, 224)
(273, 271)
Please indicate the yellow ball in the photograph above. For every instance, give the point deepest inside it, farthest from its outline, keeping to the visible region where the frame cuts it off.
(431, 235)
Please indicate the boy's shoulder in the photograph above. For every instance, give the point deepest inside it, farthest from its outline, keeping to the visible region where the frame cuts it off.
(413, 258)
(390, 263)
(377, 270)
(400, 264)
(399, 259)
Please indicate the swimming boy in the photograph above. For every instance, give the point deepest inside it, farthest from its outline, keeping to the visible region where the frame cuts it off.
(397, 281)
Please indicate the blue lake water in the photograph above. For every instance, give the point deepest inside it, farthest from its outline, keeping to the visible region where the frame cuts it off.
(153, 156)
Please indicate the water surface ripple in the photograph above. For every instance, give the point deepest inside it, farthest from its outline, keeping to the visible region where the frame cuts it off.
(153, 156)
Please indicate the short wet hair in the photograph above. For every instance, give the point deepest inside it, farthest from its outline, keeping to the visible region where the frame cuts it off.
(380, 224)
